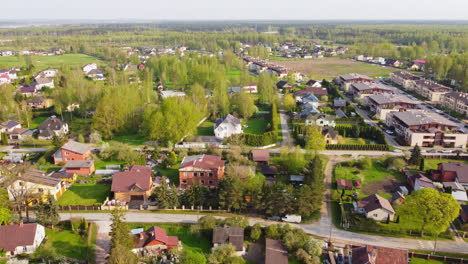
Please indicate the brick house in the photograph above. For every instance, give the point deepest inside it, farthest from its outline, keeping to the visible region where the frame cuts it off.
(204, 169)
(451, 172)
(153, 241)
(72, 150)
(80, 167)
(382, 255)
(135, 184)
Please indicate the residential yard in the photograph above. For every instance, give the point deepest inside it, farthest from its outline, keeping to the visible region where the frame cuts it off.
(376, 179)
(258, 124)
(36, 122)
(171, 173)
(133, 139)
(424, 261)
(329, 68)
(206, 128)
(191, 242)
(78, 125)
(347, 140)
(67, 243)
(101, 164)
(45, 62)
(85, 194)
(431, 164)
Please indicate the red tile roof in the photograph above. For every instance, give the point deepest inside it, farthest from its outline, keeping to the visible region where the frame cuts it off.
(137, 176)
(13, 236)
(379, 255)
(202, 162)
(155, 234)
(260, 155)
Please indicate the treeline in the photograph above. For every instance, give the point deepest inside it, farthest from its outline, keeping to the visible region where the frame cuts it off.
(359, 131)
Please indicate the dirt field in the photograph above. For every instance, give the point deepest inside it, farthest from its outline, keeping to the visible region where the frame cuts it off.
(329, 68)
(384, 188)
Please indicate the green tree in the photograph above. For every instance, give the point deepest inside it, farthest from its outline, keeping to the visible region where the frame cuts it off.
(237, 221)
(421, 164)
(314, 138)
(192, 257)
(4, 139)
(308, 201)
(433, 209)
(121, 241)
(166, 195)
(256, 232)
(416, 156)
(266, 90)
(231, 193)
(289, 102)
(81, 138)
(225, 254)
(47, 212)
(47, 253)
(243, 104)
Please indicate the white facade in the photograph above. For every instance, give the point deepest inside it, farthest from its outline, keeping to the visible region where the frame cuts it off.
(29, 249)
(89, 67)
(23, 186)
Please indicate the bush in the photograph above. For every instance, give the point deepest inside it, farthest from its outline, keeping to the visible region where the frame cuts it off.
(376, 147)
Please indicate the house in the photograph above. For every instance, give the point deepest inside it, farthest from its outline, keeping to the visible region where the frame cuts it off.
(296, 180)
(451, 172)
(89, 67)
(153, 241)
(393, 63)
(464, 213)
(250, 88)
(375, 207)
(67, 178)
(28, 91)
(6, 53)
(72, 106)
(417, 65)
(9, 126)
(21, 238)
(346, 80)
(284, 85)
(378, 255)
(398, 198)
(309, 108)
(49, 73)
(39, 103)
(261, 156)
(316, 91)
(36, 183)
(457, 190)
(330, 135)
(80, 167)
(227, 126)
(419, 181)
(426, 129)
(11, 73)
(338, 103)
(313, 83)
(52, 126)
(275, 252)
(96, 74)
(404, 79)
(340, 113)
(361, 90)
(169, 93)
(234, 89)
(311, 99)
(19, 134)
(268, 170)
(72, 150)
(342, 184)
(321, 120)
(455, 101)
(41, 82)
(4, 78)
(233, 235)
(135, 184)
(382, 104)
(207, 170)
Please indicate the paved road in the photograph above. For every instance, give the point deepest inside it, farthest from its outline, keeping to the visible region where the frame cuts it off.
(287, 139)
(11, 149)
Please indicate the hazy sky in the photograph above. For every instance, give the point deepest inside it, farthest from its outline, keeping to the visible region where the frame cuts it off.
(236, 9)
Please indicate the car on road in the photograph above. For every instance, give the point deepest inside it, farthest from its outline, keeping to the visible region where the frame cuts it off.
(16, 147)
(432, 151)
(423, 151)
(390, 132)
(446, 151)
(397, 151)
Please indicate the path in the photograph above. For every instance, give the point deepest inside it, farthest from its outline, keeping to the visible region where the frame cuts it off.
(287, 140)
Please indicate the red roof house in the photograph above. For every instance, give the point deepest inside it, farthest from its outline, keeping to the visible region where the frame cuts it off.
(204, 169)
(135, 184)
(154, 241)
(379, 255)
(21, 238)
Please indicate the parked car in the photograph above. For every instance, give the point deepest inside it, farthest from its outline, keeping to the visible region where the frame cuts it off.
(446, 151)
(357, 184)
(292, 219)
(16, 147)
(397, 151)
(274, 218)
(390, 132)
(432, 151)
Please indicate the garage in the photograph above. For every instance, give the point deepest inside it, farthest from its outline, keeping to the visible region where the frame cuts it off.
(137, 198)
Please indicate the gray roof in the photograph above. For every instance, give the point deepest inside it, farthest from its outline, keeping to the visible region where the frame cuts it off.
(49, 125)
(433, 86)
(373, 202)
(234, 89)
(459, 96)
(76, 147)
(368, 86)
(352, 76)
(391, 98)
(414, 118)
(79, 164)
(10, 123)
(229, 119)
(229, 234)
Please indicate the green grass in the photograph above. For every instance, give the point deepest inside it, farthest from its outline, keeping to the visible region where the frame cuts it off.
(36, 122)
(101, 164)
(354, 141)
(171, 173)
(233, 73)
(133, 140)
(78, 125)
(191, 242)
(206, 129)
(45, 62)
(424, 261)
(431, 164)
(85, 194)
(256, 125)
(67, 243)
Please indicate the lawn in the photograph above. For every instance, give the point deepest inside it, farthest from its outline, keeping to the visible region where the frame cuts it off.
(424, 261)
(431, 164)
(85, 194)
(78, 125)
(376, 179)
(329, 68)
(45, 62)
(206, 128)
(133, 140)
(191, 242)
(256, 125)
(101, 164)
(354, 141)
(36, 122)
(67, 243)
(171, 173)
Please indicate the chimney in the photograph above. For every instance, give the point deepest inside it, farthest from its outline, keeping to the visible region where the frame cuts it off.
(141, 236)
(20, 224)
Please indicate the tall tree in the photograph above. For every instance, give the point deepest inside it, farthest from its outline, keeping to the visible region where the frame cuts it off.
(416, 156)
(121, 241)
(231, 193)
(266, 89)
(47, 212)
(314, 138)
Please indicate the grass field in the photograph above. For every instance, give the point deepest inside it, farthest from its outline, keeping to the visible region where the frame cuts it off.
(36, 122)
(431, 164)
(67, 243)
(424, 261)
(329, 68)
(85, 194)
(45, 62)
(191, 242)
(171, 173)
(206, 129)
(101, 164)
(133, 140)
(256, 125)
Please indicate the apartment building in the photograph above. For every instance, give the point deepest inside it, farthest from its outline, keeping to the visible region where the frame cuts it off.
(382, 104)
(456, 101)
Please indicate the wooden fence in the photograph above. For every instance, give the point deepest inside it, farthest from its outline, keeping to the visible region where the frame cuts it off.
(439, 258)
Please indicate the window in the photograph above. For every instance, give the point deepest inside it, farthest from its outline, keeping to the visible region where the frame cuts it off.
(210, 174)
(20, 183)
(67, 153)
(195, 174)
(375, 215)
(202, 182)
(40, 190)
(184, 181)
(211, 182)
(25, 249)
(202, 174)
(185, 174)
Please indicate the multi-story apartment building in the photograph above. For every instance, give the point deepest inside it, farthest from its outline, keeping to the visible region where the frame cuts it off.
(456, 101)
(404, 79)
(361, 90)
(346, 80)
(382, 104)
(430, 90)
(426, 129)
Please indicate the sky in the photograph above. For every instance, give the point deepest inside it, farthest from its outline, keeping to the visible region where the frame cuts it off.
(236, 9)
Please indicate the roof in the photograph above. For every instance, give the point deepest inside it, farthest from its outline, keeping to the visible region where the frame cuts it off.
(14, 236)
(381, 99)
(458, 96)
(76, 147)
(316, 116)
(38, 177)
(136, 178)
(52, 123)
(260, 155)
(202, 161)
(268, 170)
(275, 252)
(79, 164)
(154, 233)
(459, 168)
(234, 89)
(282, 84)
(370, 86)
(415, 118)
(317, 91)
(43, 80)
(37, 100)
(339, 102)
(229, 234)
(379, 255)
(433, 86)
(354, 76)
(9, 124)
(374, 202)
(344, 183)
(229, 120)
(406, 75)
(28, 89)
(62, 175)
(340, 113)
(296, 178)
(330, 131)
(311, 82)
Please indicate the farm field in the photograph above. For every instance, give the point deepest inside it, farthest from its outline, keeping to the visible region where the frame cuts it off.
(45, 62)
(329, 68)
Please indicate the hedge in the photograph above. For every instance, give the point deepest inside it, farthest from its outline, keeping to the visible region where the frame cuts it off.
(379, 147)
(367, 132)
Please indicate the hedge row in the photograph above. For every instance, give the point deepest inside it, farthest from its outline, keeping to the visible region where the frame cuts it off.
(380, 147)
(357, 131)
(265, 139)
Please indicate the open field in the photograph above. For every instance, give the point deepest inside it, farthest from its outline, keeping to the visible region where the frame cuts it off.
(85, 194)
(44, 62)
(329, 68)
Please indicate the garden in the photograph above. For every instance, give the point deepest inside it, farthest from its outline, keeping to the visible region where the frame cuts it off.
(85, 194)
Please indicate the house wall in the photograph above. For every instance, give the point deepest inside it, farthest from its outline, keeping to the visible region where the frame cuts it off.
(187, 178)
(81, 171)
(126, 196)
(380, 215)
(34, 188)
(70, 155)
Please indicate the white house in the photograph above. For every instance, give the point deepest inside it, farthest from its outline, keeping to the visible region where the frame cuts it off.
(227, 126)
(41, 82)
(89, 67)
(52, 126)
(50, 73)
(36, 182)
(320, 119)
(375, 207)
(21, 238)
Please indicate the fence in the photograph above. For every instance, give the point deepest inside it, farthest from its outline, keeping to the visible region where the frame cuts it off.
(439, 258)
(81, 208)
(183, 208)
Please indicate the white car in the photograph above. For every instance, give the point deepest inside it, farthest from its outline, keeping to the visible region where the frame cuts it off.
(446, 151)
(397, 151)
